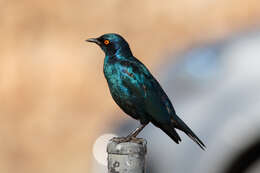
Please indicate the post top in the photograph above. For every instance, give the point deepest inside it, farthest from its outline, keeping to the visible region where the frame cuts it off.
(137, 145)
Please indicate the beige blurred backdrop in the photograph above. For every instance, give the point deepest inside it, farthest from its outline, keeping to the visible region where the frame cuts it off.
(54, 100)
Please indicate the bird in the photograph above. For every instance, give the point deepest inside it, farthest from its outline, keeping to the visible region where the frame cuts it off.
(136, 91)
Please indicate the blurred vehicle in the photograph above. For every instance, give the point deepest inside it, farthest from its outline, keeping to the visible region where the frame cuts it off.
(215, 89)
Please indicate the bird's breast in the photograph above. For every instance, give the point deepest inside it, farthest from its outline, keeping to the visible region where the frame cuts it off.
(115, 80)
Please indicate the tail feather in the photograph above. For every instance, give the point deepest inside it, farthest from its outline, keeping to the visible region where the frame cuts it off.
(169, 130)
(183, 127)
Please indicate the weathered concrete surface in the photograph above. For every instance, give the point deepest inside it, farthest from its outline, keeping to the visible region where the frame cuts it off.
(126, 157)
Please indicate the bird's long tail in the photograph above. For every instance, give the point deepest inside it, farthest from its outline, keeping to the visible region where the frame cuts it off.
(169, 130)
(183, 127)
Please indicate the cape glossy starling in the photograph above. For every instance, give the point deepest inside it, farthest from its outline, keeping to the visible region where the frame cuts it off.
(137, 92)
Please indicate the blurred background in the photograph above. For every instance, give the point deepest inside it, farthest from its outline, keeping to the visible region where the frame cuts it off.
(55, 107)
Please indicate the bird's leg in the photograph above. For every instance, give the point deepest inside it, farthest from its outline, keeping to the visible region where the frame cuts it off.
(132, 135)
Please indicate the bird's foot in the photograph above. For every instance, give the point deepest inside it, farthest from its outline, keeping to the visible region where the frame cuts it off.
(127, 139)
(122, 139)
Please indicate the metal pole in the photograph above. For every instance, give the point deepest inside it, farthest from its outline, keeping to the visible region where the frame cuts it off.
(126, 157)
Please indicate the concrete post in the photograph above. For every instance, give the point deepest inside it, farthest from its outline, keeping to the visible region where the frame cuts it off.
(126, 157)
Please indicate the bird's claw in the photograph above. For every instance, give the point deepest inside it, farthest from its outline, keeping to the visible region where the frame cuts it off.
(125, 139)
(122, 139)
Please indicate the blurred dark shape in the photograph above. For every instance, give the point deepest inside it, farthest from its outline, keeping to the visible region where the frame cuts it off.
(246, 159)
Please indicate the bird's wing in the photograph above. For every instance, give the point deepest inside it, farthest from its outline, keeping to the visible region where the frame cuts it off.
(155, 102)
(142, 84)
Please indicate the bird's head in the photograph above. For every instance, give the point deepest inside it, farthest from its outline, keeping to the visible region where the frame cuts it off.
(112, 44)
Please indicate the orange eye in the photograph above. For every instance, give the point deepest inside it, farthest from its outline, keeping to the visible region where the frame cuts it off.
(106, 42)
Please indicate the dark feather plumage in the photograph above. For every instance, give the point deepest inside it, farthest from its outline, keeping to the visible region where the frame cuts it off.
(136, 91)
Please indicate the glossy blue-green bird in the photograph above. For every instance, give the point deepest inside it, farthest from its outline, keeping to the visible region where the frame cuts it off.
(136, 91)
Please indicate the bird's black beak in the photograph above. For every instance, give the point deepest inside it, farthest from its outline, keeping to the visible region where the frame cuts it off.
(93, 40)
